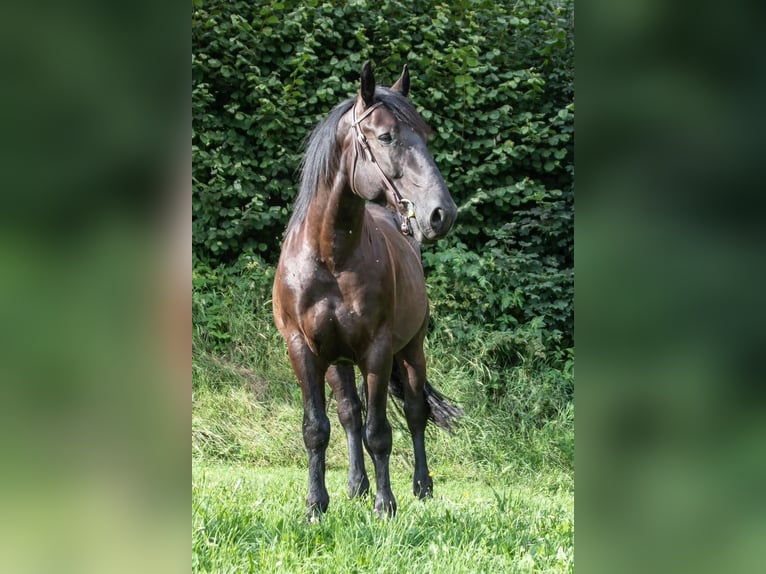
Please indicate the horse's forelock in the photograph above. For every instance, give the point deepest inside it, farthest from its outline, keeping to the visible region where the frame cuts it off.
(402, 108)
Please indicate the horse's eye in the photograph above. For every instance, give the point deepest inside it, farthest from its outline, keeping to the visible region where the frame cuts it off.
(385, 138)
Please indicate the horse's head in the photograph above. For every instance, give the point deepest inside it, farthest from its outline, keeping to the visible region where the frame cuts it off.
(391, 159)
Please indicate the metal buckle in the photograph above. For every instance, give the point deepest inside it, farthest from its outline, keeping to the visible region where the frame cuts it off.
(407, 212)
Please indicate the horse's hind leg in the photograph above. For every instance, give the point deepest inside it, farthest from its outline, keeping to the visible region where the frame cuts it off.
(341, 380)
(316, 426)
(413, 362)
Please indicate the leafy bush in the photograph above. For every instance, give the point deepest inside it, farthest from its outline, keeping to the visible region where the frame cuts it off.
(522, 273)
(494, 80)
(220, 294)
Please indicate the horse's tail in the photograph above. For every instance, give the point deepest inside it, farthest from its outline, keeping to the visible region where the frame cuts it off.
(441, 411)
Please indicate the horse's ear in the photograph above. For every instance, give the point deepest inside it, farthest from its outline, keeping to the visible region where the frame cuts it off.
(368, 84)
(402, 85)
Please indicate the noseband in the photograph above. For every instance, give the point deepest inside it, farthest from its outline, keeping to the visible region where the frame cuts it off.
(405, 207)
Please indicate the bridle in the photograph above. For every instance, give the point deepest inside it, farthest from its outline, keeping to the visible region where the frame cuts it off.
(405, 206)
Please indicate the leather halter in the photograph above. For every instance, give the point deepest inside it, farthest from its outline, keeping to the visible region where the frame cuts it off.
(405, 207)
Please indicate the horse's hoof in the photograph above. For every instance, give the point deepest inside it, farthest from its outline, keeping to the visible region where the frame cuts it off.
(385, 508)
(315, 510)
(360, 489)
(423, 489)
(314, 514)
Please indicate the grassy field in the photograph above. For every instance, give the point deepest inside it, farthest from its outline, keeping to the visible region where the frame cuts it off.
(504, 499)
(248, 518)
(503, 483)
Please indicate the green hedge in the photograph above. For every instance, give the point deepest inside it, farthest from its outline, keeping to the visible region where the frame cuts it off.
(494, 81)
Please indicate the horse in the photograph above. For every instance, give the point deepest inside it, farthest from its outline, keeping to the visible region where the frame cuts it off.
(349, 287)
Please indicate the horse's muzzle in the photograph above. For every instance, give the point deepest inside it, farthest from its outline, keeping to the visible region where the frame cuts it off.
(439, 222)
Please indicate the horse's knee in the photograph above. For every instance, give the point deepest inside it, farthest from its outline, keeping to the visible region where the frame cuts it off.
(316, 432)
(378, 437)
(350, 412)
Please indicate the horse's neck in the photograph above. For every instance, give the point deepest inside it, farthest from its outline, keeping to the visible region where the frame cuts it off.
(336, 220)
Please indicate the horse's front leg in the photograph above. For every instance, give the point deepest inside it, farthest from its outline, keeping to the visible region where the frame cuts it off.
(341, 379)
(416, 412)
(376, 368)
(310, 371)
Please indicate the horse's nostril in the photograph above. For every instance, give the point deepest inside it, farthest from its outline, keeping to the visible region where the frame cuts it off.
(437, 217)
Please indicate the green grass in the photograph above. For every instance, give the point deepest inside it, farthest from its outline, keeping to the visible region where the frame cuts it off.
(503, 496)
(504, 492)
(250, 518)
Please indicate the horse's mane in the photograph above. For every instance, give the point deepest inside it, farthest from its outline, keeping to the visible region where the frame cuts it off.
(322, 152)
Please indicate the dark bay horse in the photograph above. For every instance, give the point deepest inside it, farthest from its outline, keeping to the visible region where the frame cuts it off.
(349, 288)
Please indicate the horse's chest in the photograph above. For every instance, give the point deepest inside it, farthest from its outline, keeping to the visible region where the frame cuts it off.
(334, 333)
(353, 306)
(348, 312)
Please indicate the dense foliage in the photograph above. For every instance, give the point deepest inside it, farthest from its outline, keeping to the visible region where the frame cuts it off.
(495, 82)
